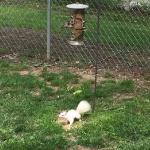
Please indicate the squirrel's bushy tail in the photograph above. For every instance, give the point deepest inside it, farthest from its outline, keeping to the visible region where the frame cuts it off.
(83, 107)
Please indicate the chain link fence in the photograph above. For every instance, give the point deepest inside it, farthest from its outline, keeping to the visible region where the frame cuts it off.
(117, 32)
(117, 37)
(23, 26)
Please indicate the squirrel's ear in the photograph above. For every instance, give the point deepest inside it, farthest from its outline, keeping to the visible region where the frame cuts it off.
(62, 114)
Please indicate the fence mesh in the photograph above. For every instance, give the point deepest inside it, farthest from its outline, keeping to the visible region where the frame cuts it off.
(117, 37)
(117, 32)
(23, 26)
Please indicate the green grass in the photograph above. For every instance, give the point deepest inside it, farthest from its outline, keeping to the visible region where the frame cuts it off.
(117, 28)
(6, 66)
(22, 17)
(121, 28)
(2, 50)
(110, 87)
(29, 121)
(60, 79)
(126, 124)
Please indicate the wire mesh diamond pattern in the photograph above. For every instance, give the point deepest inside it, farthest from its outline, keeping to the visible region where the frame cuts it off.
(117, 32)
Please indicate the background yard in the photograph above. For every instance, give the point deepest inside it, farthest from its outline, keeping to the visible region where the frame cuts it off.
(120, 40)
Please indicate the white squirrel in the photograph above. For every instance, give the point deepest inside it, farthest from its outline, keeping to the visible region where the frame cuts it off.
(82, 108)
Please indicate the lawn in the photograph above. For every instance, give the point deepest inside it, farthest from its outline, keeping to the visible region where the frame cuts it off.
(30, 103)
(116, 28)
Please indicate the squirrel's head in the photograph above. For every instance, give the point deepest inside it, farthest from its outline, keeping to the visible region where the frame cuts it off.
(63, 114)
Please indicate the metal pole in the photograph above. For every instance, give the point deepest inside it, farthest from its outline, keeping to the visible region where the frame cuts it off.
(96, 56)
(48, 28)
(95, 82)
(98, 19)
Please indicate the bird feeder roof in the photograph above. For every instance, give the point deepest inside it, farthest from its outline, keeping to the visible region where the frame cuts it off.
(77, 6)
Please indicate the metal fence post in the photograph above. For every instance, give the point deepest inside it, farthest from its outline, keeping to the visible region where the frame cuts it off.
(96, 55)
(48, 29)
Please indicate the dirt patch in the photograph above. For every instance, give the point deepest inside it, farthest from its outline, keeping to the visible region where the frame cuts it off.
(79, 147)
(87, 74)
(124, 96)
(36, 93)
(36, 70)
(64, 123)
(22, 40)
(24, 72)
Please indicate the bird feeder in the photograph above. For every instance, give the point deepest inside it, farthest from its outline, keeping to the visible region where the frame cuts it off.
(76, 23)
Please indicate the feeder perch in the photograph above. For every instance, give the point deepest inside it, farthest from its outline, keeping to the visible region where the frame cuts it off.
(76, 23)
